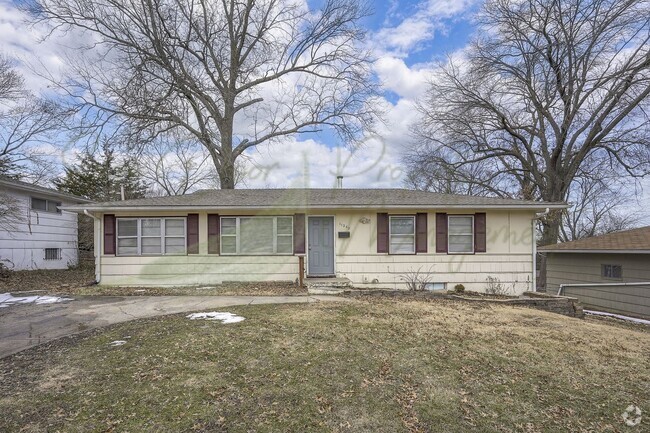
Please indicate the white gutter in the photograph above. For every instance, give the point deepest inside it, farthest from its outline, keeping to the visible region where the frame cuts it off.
(97, 245)
(534, 231)
(562, 286)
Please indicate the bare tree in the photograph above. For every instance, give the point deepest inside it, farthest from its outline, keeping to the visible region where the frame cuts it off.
(176, 167)
(234, 74)
(546, 87)
(27, 122)
(10, 211)
(601, 203)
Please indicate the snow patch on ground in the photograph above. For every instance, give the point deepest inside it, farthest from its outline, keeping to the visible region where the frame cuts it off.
(117, 343)
(618, 316)
(7, 300)
(214, 315)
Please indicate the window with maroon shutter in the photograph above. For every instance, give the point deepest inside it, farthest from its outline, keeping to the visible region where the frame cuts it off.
(382, 233)
(109, 234)
(299, 233)
(441, 233)
(213, 233)
(421, 233)
(480, 233)
(192, 233)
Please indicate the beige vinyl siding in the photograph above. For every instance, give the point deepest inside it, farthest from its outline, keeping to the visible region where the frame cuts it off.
(509, 256)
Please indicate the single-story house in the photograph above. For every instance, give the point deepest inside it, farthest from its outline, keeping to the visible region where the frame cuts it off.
(35, 233)
(370, 236)
(609, 272)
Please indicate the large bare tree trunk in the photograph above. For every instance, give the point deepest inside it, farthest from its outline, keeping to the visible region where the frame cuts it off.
(233, 74)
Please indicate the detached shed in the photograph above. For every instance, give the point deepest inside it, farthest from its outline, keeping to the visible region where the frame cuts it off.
(608, 273)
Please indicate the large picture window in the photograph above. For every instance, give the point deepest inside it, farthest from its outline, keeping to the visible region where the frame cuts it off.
(257, 235)
(402, 235)
(461, 234)
(150, 236)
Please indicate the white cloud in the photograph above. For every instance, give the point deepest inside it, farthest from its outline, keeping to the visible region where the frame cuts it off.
(430, 16)
(396, 76)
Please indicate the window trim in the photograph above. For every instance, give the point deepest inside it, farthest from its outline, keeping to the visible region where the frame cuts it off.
(138, 236)
(449, 218)
(390, 235)
(57, 205)
(237, 236)
(603, 266)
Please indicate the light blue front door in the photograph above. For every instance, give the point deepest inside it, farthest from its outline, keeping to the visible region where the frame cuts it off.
(321, 246)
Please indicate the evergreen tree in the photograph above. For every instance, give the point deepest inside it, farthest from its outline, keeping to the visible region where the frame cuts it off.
(100, 178)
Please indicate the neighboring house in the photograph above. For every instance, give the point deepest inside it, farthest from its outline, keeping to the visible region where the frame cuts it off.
(604, 272)
(35, 233)
(370, 236)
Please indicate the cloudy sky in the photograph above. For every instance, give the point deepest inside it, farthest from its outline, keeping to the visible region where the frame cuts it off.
(406, 36)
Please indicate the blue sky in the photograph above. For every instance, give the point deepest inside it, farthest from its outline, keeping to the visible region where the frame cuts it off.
(406, 38)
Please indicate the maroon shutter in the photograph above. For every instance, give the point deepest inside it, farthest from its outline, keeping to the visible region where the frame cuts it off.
(441, 233)
(421, 233)
(382, 232)
(192, 233)
(480, 233)
(109, 234)
(213, 233)
(299, 233)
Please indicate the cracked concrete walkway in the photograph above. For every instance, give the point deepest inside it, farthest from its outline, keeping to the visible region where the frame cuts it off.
(25, 326)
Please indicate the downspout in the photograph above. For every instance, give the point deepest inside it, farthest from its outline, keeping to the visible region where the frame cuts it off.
(97, 246)
(534, 232)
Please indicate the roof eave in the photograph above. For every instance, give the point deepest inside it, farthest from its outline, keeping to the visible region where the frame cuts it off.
(95, 208)
(48, 192)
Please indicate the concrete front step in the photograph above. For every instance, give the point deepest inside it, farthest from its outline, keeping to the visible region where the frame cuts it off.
(327, 286)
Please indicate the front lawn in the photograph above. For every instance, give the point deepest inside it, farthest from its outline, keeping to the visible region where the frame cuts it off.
(376, 366)
(79, 282)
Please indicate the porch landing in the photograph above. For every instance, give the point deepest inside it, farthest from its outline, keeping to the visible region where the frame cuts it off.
(327, 286)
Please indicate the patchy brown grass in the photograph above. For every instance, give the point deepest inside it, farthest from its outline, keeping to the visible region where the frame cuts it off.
(54, 280)
(376, 366)
(79, 282)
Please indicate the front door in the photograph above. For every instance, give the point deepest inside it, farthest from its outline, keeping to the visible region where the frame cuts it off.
(321, 246)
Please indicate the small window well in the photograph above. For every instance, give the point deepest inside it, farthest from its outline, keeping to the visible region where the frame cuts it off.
(52, 253)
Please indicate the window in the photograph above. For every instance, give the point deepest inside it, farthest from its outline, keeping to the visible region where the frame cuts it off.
(45, 205)
(150, 236)
(402, 235)
(52, 253)
(612, 271)
(257, 235)
(461, 234)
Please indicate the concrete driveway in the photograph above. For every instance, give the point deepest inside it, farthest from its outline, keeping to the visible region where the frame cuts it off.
(25, 326)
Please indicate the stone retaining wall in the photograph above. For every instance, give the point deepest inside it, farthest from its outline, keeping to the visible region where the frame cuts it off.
(564, 305)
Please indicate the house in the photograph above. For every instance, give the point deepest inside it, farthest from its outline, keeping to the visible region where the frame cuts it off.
(370, 236)
(35, 233)
(609, 272)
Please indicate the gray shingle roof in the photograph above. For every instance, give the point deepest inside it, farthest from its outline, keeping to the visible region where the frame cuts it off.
(628, 240)
(316, 198)
(35, 189)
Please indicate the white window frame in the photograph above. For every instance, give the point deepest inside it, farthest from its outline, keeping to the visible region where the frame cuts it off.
(390, 234)
(611, 267)
(138, 236)
(57, 204)
(449, 218)
(237, 235)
